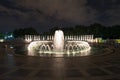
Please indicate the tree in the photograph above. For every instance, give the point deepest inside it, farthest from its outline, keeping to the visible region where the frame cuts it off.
(24, 31)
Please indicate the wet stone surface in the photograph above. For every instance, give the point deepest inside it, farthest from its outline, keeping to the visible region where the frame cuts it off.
(73, 73)
(20, 73)
(113, 69)
(96, 72)
(102, 67)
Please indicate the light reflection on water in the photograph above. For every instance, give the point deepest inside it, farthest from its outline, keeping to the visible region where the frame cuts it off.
(9, 58)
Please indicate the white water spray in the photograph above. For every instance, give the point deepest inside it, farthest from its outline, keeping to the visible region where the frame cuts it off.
(58, 41)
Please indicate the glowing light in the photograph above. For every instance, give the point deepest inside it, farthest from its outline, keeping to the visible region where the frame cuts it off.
(1, 40)
(58, 46)
(58, 41)
(117, 40)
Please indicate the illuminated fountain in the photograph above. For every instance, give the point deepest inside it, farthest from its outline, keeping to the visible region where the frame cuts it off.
(59, 45)
(58, 41)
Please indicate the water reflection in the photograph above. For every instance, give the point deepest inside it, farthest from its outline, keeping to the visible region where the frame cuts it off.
(59, 67)
(9, 59)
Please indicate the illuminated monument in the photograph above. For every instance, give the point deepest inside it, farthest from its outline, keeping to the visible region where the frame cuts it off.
(58, 44)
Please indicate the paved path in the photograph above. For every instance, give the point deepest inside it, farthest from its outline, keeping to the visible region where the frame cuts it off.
(98, 67)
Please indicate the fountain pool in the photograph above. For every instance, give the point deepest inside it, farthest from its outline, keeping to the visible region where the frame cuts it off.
(59, 46)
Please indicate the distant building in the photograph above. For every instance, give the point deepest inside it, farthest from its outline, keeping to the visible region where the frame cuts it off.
(2, 37)
(9, 36)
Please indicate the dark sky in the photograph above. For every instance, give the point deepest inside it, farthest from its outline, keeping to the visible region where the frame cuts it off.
(44, 14)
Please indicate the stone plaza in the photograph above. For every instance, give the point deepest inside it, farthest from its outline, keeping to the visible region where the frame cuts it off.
(103, 66)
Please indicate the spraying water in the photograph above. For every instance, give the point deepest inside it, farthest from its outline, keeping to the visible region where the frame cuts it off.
(58, 41)
(58, 45)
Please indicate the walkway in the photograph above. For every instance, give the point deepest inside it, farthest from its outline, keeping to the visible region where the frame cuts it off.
(102, 67)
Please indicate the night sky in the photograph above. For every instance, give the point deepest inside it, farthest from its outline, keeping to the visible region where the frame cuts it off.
(45, 14)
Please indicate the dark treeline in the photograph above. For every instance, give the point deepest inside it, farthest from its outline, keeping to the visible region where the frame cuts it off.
(24, 31)
(98, 30)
